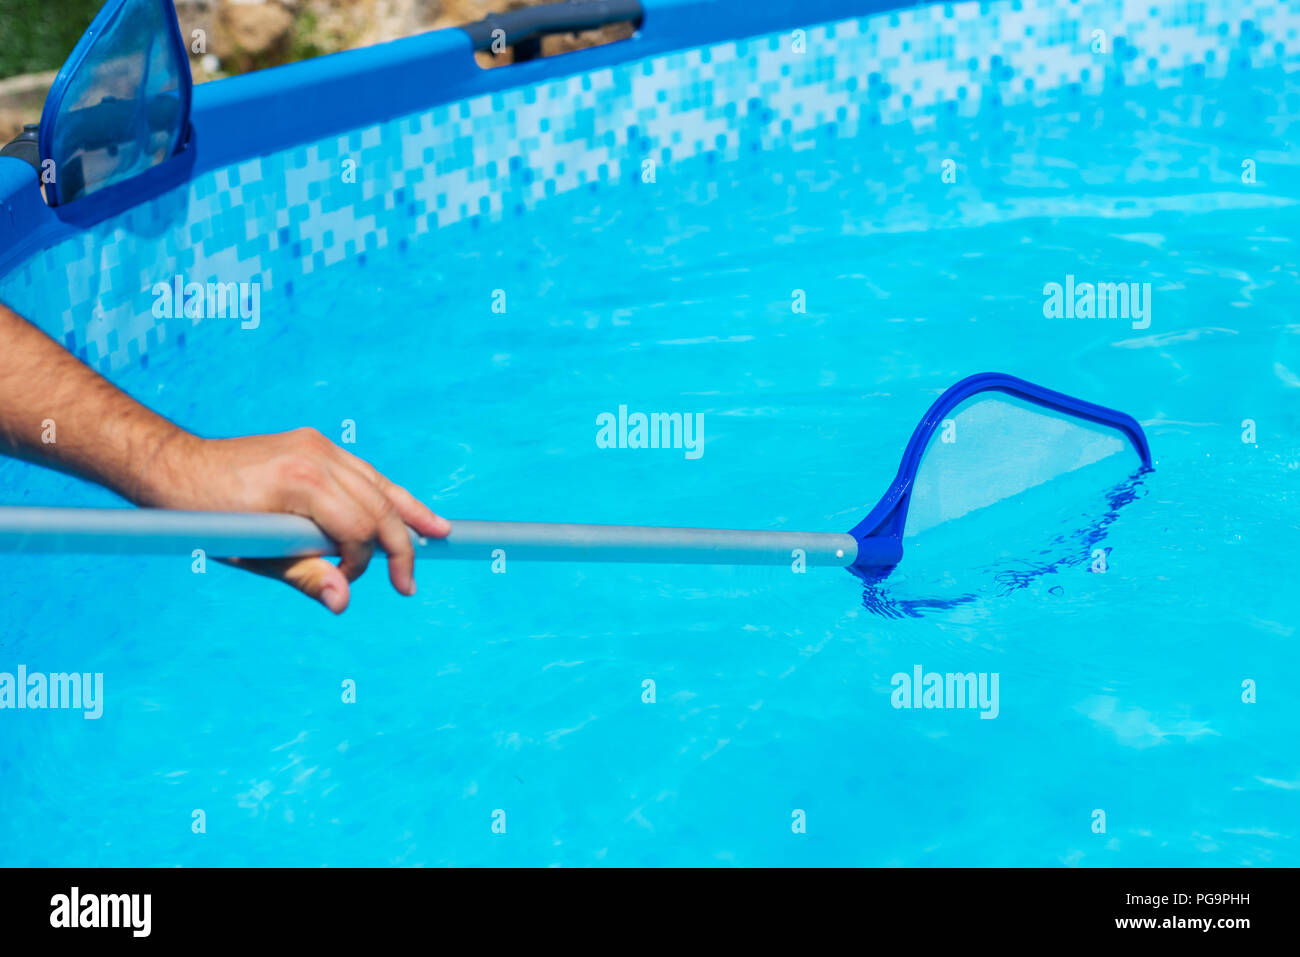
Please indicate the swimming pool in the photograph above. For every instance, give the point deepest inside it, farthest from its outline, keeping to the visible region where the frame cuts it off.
(503, 271)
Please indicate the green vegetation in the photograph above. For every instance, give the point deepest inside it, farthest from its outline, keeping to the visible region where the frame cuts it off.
(38, 35)
(305, 44)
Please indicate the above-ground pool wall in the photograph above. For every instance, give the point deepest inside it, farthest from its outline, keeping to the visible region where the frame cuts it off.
(277, 219)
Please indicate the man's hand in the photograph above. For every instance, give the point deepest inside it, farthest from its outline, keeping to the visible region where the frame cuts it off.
(303, 473)
(106, 436)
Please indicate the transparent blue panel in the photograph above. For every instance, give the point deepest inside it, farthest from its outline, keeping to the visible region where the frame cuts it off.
(121, 103)
(994, 448)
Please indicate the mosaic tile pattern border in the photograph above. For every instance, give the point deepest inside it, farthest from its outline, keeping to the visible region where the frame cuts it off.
(274, 220)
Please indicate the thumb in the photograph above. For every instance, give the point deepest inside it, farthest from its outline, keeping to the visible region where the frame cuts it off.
(314, 577)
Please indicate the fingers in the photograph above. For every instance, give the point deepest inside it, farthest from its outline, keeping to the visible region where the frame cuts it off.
(413, 512)
(356, 507)
(314, 577)
(327, 502)
(354, 559)
(389, 529)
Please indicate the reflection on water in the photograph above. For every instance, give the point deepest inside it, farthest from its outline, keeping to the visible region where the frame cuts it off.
(1068, 548)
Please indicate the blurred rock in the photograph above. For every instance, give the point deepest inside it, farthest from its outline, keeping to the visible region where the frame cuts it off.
(390, 19)
(21, 100)
(252, 34)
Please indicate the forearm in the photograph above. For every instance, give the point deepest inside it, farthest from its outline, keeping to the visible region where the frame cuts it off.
(58, 412)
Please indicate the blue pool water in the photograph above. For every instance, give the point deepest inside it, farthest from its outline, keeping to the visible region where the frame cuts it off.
(522, 692)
